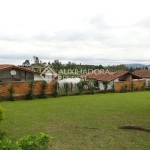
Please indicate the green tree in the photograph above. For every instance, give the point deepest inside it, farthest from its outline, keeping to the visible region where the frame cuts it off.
(57, 65)
(36, 60)
(26, 63)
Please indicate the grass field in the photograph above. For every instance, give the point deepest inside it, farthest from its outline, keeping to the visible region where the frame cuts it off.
(87, 122)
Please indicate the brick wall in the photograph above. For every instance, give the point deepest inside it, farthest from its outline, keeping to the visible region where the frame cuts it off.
(137, 84)
(21, 88)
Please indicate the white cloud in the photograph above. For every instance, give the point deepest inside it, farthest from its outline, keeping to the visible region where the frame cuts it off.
(86, 31)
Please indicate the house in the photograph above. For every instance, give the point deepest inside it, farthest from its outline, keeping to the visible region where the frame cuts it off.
(144, 74)
(11, 73)
(112, 77)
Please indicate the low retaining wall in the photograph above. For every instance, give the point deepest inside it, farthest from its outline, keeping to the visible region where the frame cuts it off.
(22, 88)
(138, 85)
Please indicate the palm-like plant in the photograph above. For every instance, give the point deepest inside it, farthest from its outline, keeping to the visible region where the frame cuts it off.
(56, 86)
(43, 86)
(30, 95)
(66, 88)
(105, 85)
(11, 91)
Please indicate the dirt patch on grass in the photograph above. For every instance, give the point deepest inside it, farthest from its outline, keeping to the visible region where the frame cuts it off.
(72, 127)
(84, 127)
(134, 128)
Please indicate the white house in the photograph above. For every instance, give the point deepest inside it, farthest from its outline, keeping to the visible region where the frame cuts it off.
(111, 77)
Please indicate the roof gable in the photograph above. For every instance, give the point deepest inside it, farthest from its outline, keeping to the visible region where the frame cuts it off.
(108, 76)
(142, 73)
(7, 66)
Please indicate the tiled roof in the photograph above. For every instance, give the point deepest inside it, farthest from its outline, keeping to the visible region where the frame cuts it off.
(9, 66)
(5, 66)
(107, 75)
(142, 73)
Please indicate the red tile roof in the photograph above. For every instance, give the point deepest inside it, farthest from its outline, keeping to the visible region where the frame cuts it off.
(97, 75)
(9, 66)
(142, 73)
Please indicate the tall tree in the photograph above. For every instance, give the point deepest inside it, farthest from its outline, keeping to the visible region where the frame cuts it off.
(57, 65)
(26, 63)
(36, 60)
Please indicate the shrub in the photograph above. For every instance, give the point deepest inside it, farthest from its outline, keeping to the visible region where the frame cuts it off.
(1, 114)
(35, 142)
(11, 91)
(80, 87)
(132, 86)
(92, 87)
(30, 95)
(105, 85)
(136, 89)
(122, 89)
(56, 87)
(2, 134)
(29, 142)
(125, 87)
(113, 88)
(43, 86)
(66, 88)
(143, 86)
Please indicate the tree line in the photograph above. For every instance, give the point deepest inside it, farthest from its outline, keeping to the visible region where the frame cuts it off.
(58, 65)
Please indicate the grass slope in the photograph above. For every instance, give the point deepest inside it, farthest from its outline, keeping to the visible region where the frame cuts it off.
(88, 122)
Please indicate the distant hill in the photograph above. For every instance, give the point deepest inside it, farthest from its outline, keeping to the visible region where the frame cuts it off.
(136, 65)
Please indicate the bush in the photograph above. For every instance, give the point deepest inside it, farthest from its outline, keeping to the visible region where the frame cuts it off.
(132, 86)
(113, 88)
(30, 95)
(80, 87)
(143, 86)
(105, 85)
(125, 87)
(35, 142)
(56, 86)
(11, 91)
(1, 114)
(43, 86)
(136, 89)
(29, 142)
(91, 87)
(2, 134)
(66, 88)
(122, 89)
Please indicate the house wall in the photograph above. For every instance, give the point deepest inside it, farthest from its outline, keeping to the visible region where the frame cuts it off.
(21, 88)
(147, 80)
(37, 77)
(110, 84)
(128, 77)
(5, 74)
(137, 84)
(29, 76)
(20, 75)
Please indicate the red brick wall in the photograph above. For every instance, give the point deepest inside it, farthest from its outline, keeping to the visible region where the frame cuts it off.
(137, 84)
(21, 88)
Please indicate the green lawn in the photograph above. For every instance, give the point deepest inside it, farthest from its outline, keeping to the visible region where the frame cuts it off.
(87, 122)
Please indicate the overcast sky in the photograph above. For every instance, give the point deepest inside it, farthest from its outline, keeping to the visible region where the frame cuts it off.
(106, 32)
